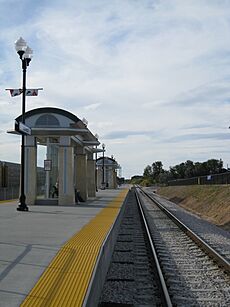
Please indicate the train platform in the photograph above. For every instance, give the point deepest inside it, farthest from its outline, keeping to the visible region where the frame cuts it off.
(48, 254)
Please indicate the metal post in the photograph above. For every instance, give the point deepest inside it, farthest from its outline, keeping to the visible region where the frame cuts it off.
(25, 54)
(22, 199)
(96, 170)
(103, 167)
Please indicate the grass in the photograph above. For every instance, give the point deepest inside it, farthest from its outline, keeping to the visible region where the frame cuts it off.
(211, 202)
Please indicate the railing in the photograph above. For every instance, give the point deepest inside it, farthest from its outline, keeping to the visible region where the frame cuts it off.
(223, 178)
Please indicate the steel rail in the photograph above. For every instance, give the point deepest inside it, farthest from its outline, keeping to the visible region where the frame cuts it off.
(221, 261)
(164, 290)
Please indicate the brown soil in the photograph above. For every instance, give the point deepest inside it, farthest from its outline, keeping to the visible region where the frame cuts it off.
(209, 202)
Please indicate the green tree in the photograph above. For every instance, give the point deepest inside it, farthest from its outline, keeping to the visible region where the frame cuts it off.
(164, 177)
(214, 166)
(148, 172)
(189, 169)
(157, 169)
(178, 171)
(156, 174)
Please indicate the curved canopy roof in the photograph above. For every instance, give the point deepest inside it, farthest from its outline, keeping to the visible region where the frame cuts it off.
(47, 110)
(49, 121)
(107, 162)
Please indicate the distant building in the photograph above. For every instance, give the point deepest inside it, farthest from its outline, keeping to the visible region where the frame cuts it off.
(107, 173)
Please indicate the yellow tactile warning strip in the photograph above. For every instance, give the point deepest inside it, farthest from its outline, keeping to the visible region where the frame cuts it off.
(65, 281)
(2, 202)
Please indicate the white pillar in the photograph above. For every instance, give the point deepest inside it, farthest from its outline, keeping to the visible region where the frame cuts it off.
(91, 176)
(47, 182)
(81, 173)
(30, 170)
(66, 194)
(114, 179)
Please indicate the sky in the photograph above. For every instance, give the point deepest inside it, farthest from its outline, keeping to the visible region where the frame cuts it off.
(152, 77)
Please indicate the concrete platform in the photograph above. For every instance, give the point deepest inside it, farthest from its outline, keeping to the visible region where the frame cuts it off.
(30, 240)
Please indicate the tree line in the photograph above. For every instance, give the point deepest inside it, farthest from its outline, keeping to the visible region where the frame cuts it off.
(155, 173)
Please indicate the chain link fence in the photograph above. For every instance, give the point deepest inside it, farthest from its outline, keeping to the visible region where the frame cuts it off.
(223, 178)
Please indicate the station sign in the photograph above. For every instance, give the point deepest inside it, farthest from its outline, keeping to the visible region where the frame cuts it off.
(22, 128)
(48, 165)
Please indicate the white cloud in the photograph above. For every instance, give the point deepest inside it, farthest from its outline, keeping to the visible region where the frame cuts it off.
(154, 66)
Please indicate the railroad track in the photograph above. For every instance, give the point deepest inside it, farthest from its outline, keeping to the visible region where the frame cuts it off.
(162, 266)
(214, 236)
(195, 273)
(134, 277)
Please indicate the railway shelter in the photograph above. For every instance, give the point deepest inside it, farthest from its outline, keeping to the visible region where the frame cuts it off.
(107, 172)
(69, 166)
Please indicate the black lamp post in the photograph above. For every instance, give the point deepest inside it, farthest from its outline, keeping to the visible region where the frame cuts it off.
(96, 136)
(103, 167)
(25, 54)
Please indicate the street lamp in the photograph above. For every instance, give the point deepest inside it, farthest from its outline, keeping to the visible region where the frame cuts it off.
(103, 167)
(97, 137)
(25, 54)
